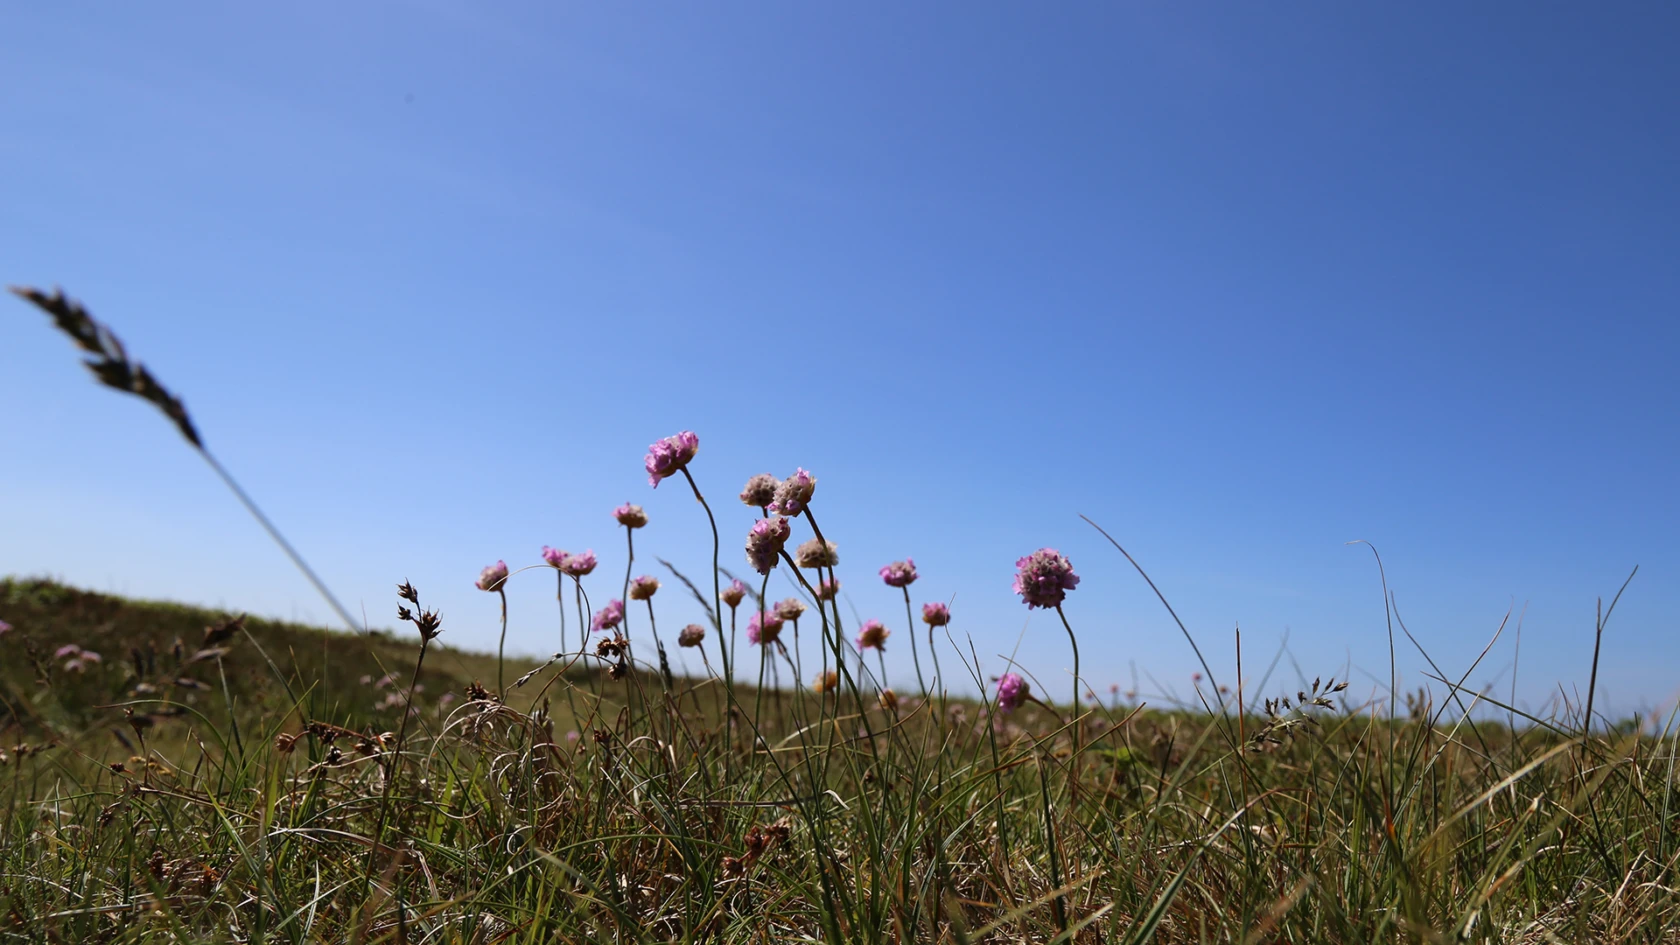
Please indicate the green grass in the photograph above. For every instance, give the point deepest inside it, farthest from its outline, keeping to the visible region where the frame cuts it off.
(261, 793)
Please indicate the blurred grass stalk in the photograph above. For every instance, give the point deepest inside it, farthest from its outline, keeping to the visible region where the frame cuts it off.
(112, 367)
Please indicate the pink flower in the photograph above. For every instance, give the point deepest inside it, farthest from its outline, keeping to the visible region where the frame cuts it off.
(630, 515)
(936, 614)
(691, 635)
(790, 609)
(5, 628)
(491, 578)
(1044, 577)
(794, 493)
(734, 594)
(763, 628)
(68, 649)
(643, 587)
(88, 656)
(554, 556)
(1012, 692)
(900, 573)
(608, 617)
(760, 490)
(669, 455)
(873, 636)
(580, 564)
(765, 541)
(828, 588)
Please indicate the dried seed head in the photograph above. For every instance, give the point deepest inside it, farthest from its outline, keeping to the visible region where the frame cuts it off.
(493, 576)
(644, 587)
(760, 490)
(815, 554)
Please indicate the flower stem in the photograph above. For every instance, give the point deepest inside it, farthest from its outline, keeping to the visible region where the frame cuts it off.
(909, 616)
(1078, 727)
(501, 645)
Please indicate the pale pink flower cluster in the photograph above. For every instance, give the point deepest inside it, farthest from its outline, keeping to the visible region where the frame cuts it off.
(1012, 692)
(668, 456)
(567, 563)
(608, 617)
(1044, 577)
(765, 541)
(873, 636)
(794, 493)
(763, 629)
(899, 573)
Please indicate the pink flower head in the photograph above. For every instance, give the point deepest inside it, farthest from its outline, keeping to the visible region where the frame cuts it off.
(691, 635)
(794, 493)
(760, 490)
(68, 649)
(734, 594)
(828, 588)
(643, 587)
(873, 636)
(5, 628)
(790, 609)
(73, 666)
(669, 455)
(580, 564)
(630, 515)
(608, 617)
(88, 656)
(900, 573)
(1044, 577)
(765, 541)
(1012, 692)
(491, 578)
(764, 628)
(936, 614)
(554, 556)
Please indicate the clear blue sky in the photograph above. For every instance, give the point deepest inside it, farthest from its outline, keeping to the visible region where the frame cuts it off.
(1240, 281)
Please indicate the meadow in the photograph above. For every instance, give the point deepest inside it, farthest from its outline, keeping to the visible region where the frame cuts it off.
(172, 774)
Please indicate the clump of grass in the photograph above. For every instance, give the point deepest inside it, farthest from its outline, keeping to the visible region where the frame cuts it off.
(601, 797)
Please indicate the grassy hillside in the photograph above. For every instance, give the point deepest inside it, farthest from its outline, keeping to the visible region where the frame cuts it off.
(205, 779)
(157, 658)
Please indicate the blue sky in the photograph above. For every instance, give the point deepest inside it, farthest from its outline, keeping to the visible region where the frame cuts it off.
(1240, 282)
